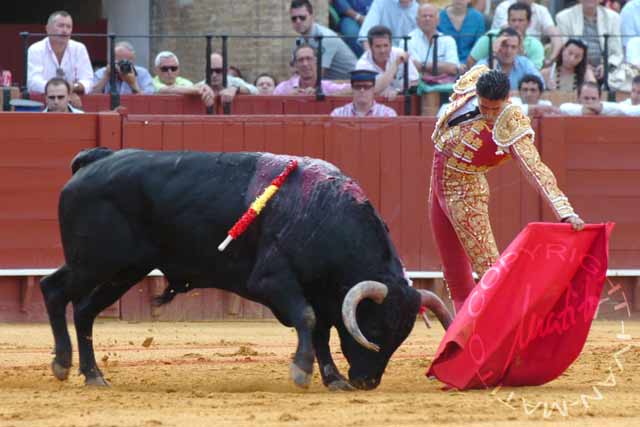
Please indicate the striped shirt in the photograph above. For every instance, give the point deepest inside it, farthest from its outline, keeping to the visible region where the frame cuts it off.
(376, 110)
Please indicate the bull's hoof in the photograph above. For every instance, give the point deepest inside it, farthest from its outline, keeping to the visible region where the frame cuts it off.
(59, 371)
(301, 378)
(340, 385)
(96, 382)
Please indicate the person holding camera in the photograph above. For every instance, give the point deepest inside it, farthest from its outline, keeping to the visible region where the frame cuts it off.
(130, 78)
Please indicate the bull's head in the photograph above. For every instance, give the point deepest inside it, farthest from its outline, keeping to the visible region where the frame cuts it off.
(379, 329)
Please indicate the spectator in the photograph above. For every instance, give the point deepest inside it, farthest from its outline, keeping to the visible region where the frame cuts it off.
(530, 97)
(464, 24)
(630, 21)
(57, 92)
(519, 18)
(589, 103)
(363, 84)
(589, 21)
(570, 70)
(234, 71)
(352, 14)
(633, 52)
(130, 78)
(59, 56)
(388, 62)
(168, 79)
(506, 48)
(337, 58)
(422, 47)
(634, 99)
(265, 83)
(234, 86)
(306, 77)
(397, 15)
(540, 24)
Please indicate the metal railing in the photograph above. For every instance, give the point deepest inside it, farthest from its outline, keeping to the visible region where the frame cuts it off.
(224, 38)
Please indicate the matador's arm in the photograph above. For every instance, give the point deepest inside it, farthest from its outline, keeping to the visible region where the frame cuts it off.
(513, 132)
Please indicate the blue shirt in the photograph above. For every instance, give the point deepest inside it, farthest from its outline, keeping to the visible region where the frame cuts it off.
(630, 20)
(400, 20)
(145, 82)
(521, 66)
(360, 6)
(471, 30)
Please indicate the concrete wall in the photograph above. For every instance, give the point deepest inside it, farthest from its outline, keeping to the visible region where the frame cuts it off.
(130, 18)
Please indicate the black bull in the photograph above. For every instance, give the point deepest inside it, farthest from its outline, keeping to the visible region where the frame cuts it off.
(316, 251)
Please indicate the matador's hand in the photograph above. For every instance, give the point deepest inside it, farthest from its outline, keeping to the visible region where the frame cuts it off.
(576, 222)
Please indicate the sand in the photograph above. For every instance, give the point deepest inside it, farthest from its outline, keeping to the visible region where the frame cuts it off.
(236, 374)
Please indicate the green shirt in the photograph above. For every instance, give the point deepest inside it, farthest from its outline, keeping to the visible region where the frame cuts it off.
(180, 82)
(533, 49)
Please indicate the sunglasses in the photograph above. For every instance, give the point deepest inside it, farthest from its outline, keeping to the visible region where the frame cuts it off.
(54, 97)
(216, 70)
(172, 68)
(300, 18)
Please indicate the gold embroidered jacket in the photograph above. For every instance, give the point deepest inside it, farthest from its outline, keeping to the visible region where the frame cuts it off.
(475, 146)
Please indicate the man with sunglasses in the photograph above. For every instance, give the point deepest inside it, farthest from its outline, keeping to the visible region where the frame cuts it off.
(168, 79)
(235, 85)
(57, 92)
(337, 58)
(363, 84)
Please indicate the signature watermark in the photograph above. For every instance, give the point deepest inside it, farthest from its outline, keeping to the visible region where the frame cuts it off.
(617, 304)
(579, 302)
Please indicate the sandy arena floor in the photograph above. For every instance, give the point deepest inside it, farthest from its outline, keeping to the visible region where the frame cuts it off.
(236, 374)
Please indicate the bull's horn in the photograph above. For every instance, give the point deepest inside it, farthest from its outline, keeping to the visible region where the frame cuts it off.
(367, 289)
(431, 301)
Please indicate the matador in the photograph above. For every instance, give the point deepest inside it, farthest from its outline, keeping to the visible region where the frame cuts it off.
(478, 131)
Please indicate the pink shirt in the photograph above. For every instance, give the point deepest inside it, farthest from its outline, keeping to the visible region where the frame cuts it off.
(43, 63)
(377, 110)
(287, 87)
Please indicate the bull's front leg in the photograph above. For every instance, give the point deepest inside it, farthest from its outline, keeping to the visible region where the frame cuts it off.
(274, 284)
(331, 376)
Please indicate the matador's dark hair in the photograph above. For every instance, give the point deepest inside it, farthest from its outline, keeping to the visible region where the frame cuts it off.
(493, 85)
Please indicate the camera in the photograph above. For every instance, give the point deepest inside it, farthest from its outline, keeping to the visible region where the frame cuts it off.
(125, 66)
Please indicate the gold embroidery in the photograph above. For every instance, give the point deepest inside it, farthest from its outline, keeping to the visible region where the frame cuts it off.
(467, 82)
(541, 176)
(467, 199)
(511, 125)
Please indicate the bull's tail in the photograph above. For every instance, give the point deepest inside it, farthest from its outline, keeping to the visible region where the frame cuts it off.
(86, 157)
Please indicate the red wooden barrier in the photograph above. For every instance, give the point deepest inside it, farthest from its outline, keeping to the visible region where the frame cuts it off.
(594, 160)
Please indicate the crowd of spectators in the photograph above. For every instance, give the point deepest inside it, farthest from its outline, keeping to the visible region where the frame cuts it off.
(586, 48)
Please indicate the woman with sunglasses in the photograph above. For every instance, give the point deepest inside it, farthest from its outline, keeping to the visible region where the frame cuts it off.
(570, 70)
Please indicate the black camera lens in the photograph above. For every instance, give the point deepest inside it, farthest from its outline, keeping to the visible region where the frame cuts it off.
(125, 66)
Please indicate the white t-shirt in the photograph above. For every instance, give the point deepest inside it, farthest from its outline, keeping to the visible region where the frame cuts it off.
(540, 18)
(366, 63)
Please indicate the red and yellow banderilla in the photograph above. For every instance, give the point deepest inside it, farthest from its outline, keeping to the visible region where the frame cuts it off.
(258, 204)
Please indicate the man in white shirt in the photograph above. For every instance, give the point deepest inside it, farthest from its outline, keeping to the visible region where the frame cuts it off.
(541, 24)
(397, 15)
(630, 21)
(589, 103)
(634, 99)
(388, 62)
(421, 46)
(59, 56)
(530, 97)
